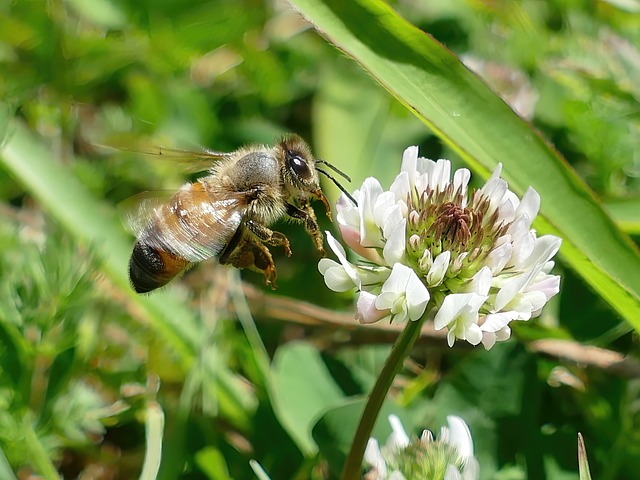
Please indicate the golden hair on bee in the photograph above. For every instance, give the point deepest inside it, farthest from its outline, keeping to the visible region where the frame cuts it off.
(227, 214)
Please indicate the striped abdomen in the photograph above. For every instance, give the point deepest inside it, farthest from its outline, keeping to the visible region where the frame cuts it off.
(193, 226)
(151, 268)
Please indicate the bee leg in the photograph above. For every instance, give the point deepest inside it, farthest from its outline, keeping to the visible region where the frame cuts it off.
(308, 216)
(245, 252)
(268, 236)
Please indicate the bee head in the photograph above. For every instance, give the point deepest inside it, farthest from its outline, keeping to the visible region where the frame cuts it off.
(302, 170)
(299, 170)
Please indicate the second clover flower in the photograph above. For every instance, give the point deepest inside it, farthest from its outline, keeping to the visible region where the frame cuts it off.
(468, 260)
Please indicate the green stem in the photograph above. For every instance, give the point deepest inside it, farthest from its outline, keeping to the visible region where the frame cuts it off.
(400, 351)
(37, 453)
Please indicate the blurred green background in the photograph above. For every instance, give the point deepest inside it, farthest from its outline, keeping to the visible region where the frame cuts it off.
(235, 371)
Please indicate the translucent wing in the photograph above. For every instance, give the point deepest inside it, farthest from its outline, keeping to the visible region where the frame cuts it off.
(191, 161)
(136, 211)
(193, 224)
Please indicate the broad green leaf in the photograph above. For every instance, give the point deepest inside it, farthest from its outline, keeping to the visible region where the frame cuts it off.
(302, 389)
(453, 102)
(626, 213)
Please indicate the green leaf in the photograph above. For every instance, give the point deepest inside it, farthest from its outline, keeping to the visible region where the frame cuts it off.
(626, 213)
(583, 462)
(302, 389)
(455, 104)
(101, 12)
(5, 468)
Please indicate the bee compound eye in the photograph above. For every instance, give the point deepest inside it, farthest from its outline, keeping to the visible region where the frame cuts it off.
(299, 166)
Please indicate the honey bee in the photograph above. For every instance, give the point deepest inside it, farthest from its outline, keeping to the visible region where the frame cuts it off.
(227, 214)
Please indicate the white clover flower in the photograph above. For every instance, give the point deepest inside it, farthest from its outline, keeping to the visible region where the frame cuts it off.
(470, 261)
(450, 457)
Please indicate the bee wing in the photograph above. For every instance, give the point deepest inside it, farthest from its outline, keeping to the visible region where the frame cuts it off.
(192, 161)
(191, 224)
(137, 211)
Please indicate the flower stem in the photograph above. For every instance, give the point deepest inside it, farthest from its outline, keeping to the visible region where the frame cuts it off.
(36, 451)
(400, 350)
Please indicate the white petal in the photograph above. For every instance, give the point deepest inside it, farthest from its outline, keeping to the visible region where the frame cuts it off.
(426, 437)
(369, 232)
(425, 165)
(417, 297)
(529, 206)
(496, 321)
(396, 475)
(480, 283)
(452, 473)
(461, 179)
(507, 208)
(348, 213)
(386, 300)
(452, 307)
(499, 256)
(410, 160)
(460, 436)
(457, 263)
(546, 247)
(397, 281)
(401, 317)
(426, 262)
(441, 175)
(373, 456)
(451, 338)
(510, 289)
(401, 186)
(342, 256)
(392, 218)
(549, 285)
(503, 334)
(523, 242)
(351, 237)
(473, 334)
(394, 249)
(471, 469)
(366, 311)
(488, 340)
(494, 190)
(439, 269)
(325, 264)
(383, 202)
(399, 438)
(338, 280)
(536, 300)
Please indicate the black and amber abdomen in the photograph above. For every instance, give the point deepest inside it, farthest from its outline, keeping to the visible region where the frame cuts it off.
(151, 268)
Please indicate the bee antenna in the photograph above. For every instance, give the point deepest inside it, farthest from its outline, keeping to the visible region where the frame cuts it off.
(337, 184)
(335, 169)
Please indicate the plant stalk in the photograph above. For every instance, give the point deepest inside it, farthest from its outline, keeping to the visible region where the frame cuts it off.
(392, 366)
